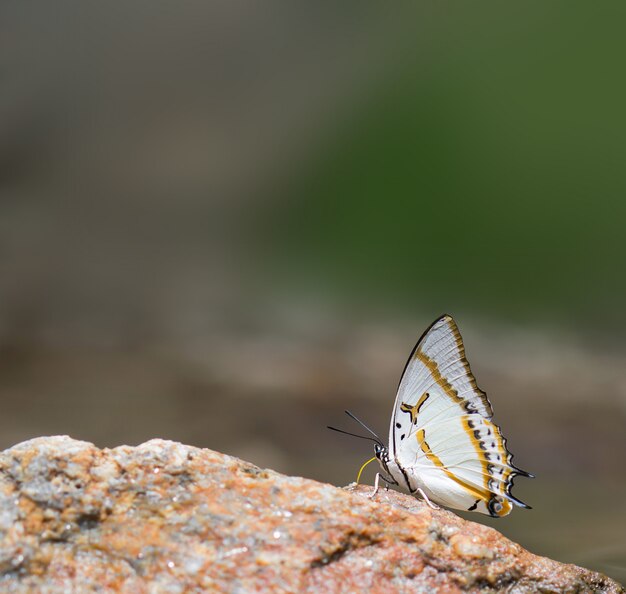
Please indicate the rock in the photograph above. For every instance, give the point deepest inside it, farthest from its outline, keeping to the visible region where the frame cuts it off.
(168, 518)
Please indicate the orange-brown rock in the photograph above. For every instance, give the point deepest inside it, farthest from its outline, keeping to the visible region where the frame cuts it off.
(167, 518)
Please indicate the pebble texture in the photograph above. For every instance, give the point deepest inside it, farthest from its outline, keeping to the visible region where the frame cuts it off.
(167, 518)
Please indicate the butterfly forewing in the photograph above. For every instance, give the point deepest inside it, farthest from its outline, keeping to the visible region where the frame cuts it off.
(437, 381)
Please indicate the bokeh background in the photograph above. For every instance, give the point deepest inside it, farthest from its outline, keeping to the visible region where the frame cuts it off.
(223, 223)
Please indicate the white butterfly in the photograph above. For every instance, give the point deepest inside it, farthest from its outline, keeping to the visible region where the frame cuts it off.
(442, 443)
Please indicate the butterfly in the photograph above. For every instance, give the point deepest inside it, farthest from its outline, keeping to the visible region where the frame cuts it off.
(443, 444)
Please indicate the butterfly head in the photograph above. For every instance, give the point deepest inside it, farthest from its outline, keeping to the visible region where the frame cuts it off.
(381, 452)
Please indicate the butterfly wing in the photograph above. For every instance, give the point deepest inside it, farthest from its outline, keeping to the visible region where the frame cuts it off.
(441, 432)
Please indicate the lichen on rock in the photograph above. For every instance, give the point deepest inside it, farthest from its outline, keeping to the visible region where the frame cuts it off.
(165, 517)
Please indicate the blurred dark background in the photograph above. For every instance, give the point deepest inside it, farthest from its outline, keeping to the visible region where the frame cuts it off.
(223, 223)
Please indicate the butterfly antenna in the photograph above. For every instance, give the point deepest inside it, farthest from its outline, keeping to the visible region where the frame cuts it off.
(354, 434)
(378, 439)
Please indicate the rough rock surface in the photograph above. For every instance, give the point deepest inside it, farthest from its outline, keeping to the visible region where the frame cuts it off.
(167, 518)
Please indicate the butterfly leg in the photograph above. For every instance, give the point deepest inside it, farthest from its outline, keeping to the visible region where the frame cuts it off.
(428, 501)
(387, 480)
(375, 486)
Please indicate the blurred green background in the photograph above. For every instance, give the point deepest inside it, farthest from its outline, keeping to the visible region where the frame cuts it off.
(210, 208)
